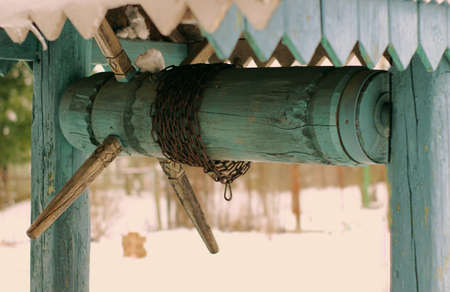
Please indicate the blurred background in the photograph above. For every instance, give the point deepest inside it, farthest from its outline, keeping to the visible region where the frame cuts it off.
(289, 227)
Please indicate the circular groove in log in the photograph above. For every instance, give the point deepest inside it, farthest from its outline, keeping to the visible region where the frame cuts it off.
(358, 115)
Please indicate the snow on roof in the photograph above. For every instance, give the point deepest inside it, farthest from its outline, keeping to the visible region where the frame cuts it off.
(17, 16)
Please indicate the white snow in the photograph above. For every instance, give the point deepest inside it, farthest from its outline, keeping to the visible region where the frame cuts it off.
(137, 28)
(98, 68)
(348, 252)
(13, 223)
(11, 115)
(6, 130)
(151, 60)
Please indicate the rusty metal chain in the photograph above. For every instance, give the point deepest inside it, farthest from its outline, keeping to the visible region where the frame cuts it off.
(176, 127)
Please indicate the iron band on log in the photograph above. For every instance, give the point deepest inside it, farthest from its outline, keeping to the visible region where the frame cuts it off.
(300, 114)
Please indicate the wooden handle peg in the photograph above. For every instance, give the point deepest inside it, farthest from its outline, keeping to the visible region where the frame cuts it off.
(111, 48)
(185, 193)
(78, 183)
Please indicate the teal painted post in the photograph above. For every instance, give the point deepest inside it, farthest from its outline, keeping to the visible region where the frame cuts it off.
(419, 177)
(5, 66)
(25, 51)
(60, 257)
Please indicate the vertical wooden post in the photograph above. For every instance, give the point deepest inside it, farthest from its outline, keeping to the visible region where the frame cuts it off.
(60, 257)
(419, 176)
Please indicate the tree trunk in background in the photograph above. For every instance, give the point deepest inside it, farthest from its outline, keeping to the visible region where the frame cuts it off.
(340, 177)
(249, 216)
(157, 195)
(262, 190)
(210, 209)
(323, 175)
(6, 200)
(168, 206)
(226, 216)
(365, 184)
(295, 192)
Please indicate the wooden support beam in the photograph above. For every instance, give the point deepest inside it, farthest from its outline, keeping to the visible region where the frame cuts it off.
(261, 64)
(283, 55)
(60, 257)
(177, 37)
(316, 59)
(243, 53)
(26, 51)
(245, 110)
(357, 52)
(198, 53)
(173, 53)
(419, 172)
(214, 59)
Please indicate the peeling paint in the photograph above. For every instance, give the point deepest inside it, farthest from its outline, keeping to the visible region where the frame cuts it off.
(51, 186)
(426, 209)
(53, 265)
(441, 270)
(238, 141)
(51, 189)
(420, 180)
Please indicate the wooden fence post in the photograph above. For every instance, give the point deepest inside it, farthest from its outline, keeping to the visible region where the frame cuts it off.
(419, 176)
(60, 257)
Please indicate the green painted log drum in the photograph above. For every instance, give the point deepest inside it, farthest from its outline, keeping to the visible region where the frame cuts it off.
(320, 115)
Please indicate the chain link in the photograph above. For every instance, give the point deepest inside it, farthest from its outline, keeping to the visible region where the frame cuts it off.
(176, 127)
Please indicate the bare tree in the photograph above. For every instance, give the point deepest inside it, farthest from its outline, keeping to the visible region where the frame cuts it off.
(295, 193)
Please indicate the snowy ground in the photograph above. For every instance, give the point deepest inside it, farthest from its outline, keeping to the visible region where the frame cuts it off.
(348, 251)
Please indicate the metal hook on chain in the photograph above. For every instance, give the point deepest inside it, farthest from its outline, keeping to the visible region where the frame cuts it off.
(228, 187)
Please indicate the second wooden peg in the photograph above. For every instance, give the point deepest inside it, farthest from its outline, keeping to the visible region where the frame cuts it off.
(78, 183)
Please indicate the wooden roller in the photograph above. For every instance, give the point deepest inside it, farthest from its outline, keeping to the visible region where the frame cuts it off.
(108, 151)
